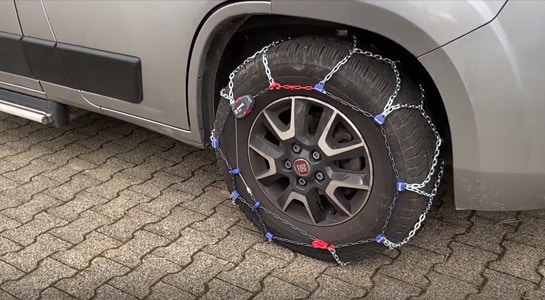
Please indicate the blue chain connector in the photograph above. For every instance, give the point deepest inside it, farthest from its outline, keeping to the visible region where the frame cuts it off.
(401, 186)
(256, 206)
(235, 195)
(380, 238)
(320, 87)
(380, 119)
(269, 235)
(234, 171)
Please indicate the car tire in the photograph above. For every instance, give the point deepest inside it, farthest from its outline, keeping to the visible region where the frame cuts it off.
(356, 214)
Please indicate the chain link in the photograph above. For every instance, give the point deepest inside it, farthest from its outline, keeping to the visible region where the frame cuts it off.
(389, 107)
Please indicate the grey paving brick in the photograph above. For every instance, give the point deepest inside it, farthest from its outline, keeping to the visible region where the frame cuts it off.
(520, 260)
(63, 157)
(249, 273)
(206, 202)
(146, 170)
(105, 171)
(131, 252)
(163, 142)
(33, 168)
(119, 206)
(466, 263)
(218, 290)
(302, 272)
(27, 233)
(273, 249)
(274, 288)
(124, 229)
(182, 249)
(101, 138)
(7, 166)
(162, 205)
(7, 184)
(27, 259)
(441, 285)
(390, 288)
(485, 234)
(154, 186)
(177, 152)
(80, 255)
(163, 291)
(31, 284)
(6, 296)
(7, 223)
(111, 188)
(84, 283)
(193, 161)
(9, 272)
(68, 190)
(502, 285)
(55, 294)
(333, 288)
(24, 159)
(26, 211)
(359, 274)
(201, 178)
(224, 216)
(140, 153)
(7, 246)
(139, 280)
(107, 292)
(410, 266)
(65, 172)
(237, 242)
(76, 230)
(503, 217)
(101, 155)
(26, 191)
(530, 232)
(194, 276)
(65, 141)
(72, 209)
(171, 226)
(133, 135)
(435, 236)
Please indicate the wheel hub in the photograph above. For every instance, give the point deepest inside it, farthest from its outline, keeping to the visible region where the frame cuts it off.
(310, 160)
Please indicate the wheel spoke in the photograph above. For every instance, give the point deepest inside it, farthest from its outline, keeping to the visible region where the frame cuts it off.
(344, 180)
(314, 212)
(269, 152)
(280, 129)
(341, 148)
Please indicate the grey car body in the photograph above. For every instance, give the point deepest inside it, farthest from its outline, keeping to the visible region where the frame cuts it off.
(484, 58)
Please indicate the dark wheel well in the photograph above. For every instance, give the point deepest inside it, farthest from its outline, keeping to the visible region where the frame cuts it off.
(248, 34)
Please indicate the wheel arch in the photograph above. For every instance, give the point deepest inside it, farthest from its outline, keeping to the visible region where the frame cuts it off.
(215, 53)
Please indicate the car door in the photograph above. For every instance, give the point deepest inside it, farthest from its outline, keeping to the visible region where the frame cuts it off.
(15, 73)
(130, 57)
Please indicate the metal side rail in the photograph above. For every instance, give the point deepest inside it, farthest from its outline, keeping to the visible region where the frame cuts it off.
(32, 108)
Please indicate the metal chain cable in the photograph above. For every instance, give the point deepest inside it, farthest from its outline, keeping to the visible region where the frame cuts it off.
(380, 119)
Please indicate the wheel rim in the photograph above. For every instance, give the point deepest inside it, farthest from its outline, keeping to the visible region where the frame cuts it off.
(310, 160)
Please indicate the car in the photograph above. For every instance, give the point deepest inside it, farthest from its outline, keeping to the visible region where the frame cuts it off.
(333, 121)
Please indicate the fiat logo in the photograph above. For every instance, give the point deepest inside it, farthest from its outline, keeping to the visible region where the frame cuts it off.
(301, 167)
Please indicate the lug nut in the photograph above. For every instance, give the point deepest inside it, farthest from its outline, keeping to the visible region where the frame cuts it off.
(319, 176)
(296, 148)
(287, 164)
(302, 181)
(316, 155)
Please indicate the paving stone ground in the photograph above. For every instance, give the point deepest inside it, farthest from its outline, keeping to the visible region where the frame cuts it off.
(108, 210)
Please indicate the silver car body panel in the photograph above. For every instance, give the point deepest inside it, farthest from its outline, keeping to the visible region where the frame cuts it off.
(34, 20)
(8, 18)
(493, 91)
(419, 26)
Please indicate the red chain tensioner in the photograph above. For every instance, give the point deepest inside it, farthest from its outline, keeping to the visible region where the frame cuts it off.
(291, 87)
(319, 244)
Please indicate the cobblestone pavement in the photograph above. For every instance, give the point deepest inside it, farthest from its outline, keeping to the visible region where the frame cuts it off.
(109, 210)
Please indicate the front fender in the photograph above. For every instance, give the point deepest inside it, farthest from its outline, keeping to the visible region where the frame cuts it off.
(418, 26)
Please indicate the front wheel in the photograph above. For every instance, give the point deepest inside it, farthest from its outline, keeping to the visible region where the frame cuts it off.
(317, 164)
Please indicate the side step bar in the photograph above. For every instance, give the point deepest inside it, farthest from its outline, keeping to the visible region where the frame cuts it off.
(35, 109)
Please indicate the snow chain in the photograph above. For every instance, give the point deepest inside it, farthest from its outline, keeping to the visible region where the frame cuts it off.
(242, 106)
